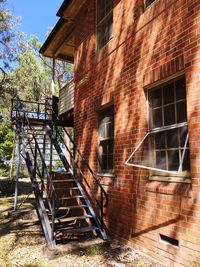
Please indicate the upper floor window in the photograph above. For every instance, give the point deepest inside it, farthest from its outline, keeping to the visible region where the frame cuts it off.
(106, 141)
(104, 22)
(148, 2)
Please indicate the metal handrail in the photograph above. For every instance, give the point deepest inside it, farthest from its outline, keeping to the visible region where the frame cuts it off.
(40, 108)
(103, 195)
(87, 165)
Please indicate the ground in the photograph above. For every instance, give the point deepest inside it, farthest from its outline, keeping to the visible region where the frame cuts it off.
(22, 244)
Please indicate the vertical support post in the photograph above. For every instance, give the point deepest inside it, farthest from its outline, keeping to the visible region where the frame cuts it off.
(53, 79)
(101, 208)
(53, 216)
(35, 159)
(51, 155)
(17, 171)
(38, 111)
(43, 152)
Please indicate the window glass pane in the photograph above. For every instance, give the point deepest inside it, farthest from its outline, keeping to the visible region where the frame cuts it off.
(183, 134)
(168, 94)
(109, 130)
(105, 31)
(106, 118)
(156, 98)
(172, 138)
(157, 117)
(180, 89)
(181, 112)
(186, 161)
(173, 160)
(161, 160)
(149, 2)
(110, 163)
(103, 148)
(103, 8)
(104, 163)
(102, 131)
(169, 115)
(110, 146)
(160, 140)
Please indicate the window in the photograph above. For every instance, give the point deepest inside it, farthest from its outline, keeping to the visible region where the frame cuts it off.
(104, 22)
(106, 141)
(148, 2)
(165, 148)
(167, 107)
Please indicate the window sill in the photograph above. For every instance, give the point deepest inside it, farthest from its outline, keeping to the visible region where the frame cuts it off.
(169, 188)
(170, 179)
(106, 175)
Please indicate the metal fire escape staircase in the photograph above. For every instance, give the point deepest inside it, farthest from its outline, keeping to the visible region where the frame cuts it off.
(68, 207)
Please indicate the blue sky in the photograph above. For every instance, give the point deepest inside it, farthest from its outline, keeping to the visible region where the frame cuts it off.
(37, 16)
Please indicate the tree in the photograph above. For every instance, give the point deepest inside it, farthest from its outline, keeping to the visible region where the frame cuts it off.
(8, 41)
(31, 79)
(6, 145)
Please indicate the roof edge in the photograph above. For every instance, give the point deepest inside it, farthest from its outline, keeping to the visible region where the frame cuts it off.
(64, 5)
(51, 35)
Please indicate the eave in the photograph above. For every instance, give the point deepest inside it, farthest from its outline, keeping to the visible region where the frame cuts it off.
(60, 42)
(70, 8)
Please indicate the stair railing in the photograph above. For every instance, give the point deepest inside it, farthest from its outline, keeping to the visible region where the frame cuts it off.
(19, 112)
(103, 194)
(102, 203)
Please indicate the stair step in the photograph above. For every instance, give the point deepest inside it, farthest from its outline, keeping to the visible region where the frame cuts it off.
(72, 207)
(62, 180)
(72, 197)
(79, 230)
(66, 188)
(69, 219)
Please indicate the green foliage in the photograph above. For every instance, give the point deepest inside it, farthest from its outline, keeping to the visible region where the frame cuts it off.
(6, 144)
(8, 36)
(7, 187)
(31, 78)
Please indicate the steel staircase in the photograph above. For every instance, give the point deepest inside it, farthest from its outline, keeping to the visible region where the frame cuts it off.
(69, 204)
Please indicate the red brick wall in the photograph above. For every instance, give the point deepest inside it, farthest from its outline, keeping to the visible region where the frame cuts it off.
(147, 47)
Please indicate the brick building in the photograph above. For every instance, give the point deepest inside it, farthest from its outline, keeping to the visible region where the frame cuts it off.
(137, 78)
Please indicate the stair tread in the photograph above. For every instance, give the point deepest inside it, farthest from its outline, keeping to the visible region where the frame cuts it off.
(72, 207)
(66, 188)
(65, 198)
(79, 230)
(63, 180)
(68, 219)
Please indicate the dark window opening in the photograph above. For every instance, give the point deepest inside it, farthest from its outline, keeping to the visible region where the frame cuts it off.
(149, 2)
(169, 240)
(104, 22)
(106, 141)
